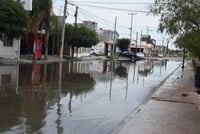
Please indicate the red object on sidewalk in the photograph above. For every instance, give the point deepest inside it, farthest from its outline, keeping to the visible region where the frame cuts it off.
(37, 47)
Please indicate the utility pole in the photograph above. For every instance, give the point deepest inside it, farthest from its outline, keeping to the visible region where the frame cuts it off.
(131, 29)
(136, 41)
(63, 30)
(163, 51)
(114, 40)
(167, 47)
(76, 15)
(140, 41)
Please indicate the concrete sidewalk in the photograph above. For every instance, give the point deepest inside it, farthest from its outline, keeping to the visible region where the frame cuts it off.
(173, 109)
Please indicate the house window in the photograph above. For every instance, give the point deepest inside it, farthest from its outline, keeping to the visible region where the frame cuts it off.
(5, 78)
(7, 41)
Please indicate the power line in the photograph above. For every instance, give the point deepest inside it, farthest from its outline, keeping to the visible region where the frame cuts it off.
(94, 15)
(87, 14)
(117, 9)
(102, 19)
(90, 16)
(123, 3)
(72, 4)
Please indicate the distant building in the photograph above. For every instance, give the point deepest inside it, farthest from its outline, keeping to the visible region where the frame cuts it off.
(106, 38)
(142, 47)
(90, 25)
(160, 50)
(145, 45)
(107, 35)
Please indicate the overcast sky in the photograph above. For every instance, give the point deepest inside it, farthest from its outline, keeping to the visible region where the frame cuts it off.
(103, 12)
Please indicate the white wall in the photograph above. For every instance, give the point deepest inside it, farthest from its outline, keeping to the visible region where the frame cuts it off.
(9, 52)
(82, 51)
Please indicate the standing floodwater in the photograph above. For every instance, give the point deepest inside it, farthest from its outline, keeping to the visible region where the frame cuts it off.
(88, 97)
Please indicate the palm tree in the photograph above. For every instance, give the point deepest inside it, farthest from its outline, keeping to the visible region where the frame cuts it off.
(39, 19)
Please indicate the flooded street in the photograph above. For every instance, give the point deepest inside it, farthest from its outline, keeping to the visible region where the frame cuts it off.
(85, 97)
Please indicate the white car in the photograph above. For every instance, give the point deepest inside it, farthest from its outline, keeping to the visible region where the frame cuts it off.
(140, 55)
(95, 52)
(160, 55)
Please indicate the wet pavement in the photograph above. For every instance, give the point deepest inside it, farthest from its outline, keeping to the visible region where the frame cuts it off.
(89, 96)
(173, 109)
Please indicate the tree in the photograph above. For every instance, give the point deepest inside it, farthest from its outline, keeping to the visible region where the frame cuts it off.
(13, 19)
(190, 39)
(40, 19)
(80, 37)
(123, 44)
(180, 18)
(55, 31)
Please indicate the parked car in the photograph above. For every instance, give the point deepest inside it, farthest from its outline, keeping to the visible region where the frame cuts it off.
(128, 54)
(95, 52)
(140, 55)
(160, 55)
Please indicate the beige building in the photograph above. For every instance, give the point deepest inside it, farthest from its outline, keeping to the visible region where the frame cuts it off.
(142, 47)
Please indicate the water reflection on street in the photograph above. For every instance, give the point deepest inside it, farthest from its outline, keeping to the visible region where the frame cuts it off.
(75, 97)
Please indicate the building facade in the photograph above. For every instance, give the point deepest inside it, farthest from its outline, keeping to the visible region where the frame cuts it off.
(10, 48)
